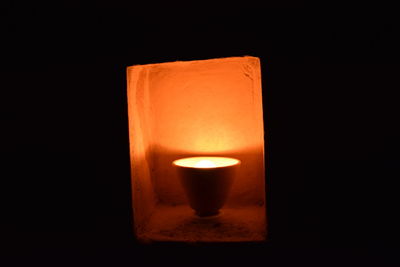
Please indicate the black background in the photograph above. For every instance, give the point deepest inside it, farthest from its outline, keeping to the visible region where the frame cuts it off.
(330, 78)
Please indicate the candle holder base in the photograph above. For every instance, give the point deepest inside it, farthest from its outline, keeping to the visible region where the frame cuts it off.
(179, 223)
(210, 216)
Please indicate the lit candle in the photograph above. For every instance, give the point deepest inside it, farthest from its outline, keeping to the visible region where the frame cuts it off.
(206, 181)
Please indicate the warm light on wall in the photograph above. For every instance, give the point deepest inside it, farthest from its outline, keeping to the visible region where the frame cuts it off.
(197, 150)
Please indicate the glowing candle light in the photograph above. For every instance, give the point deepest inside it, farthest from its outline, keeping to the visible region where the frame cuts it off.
(205, 163)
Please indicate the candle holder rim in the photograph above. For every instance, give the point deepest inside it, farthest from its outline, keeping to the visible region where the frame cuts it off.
(237, 162)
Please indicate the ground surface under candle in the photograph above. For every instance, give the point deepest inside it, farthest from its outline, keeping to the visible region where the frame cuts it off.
(178, 223)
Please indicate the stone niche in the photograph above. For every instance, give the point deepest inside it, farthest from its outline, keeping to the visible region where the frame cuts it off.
(196, 108)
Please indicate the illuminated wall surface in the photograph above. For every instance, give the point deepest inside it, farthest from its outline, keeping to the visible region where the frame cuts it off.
(195, 108)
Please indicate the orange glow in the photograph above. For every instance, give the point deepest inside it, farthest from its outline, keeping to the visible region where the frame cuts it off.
(206, 162)
(206, 106)
(202, 117)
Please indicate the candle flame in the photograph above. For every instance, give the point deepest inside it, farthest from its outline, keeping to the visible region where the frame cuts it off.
(205, 163)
